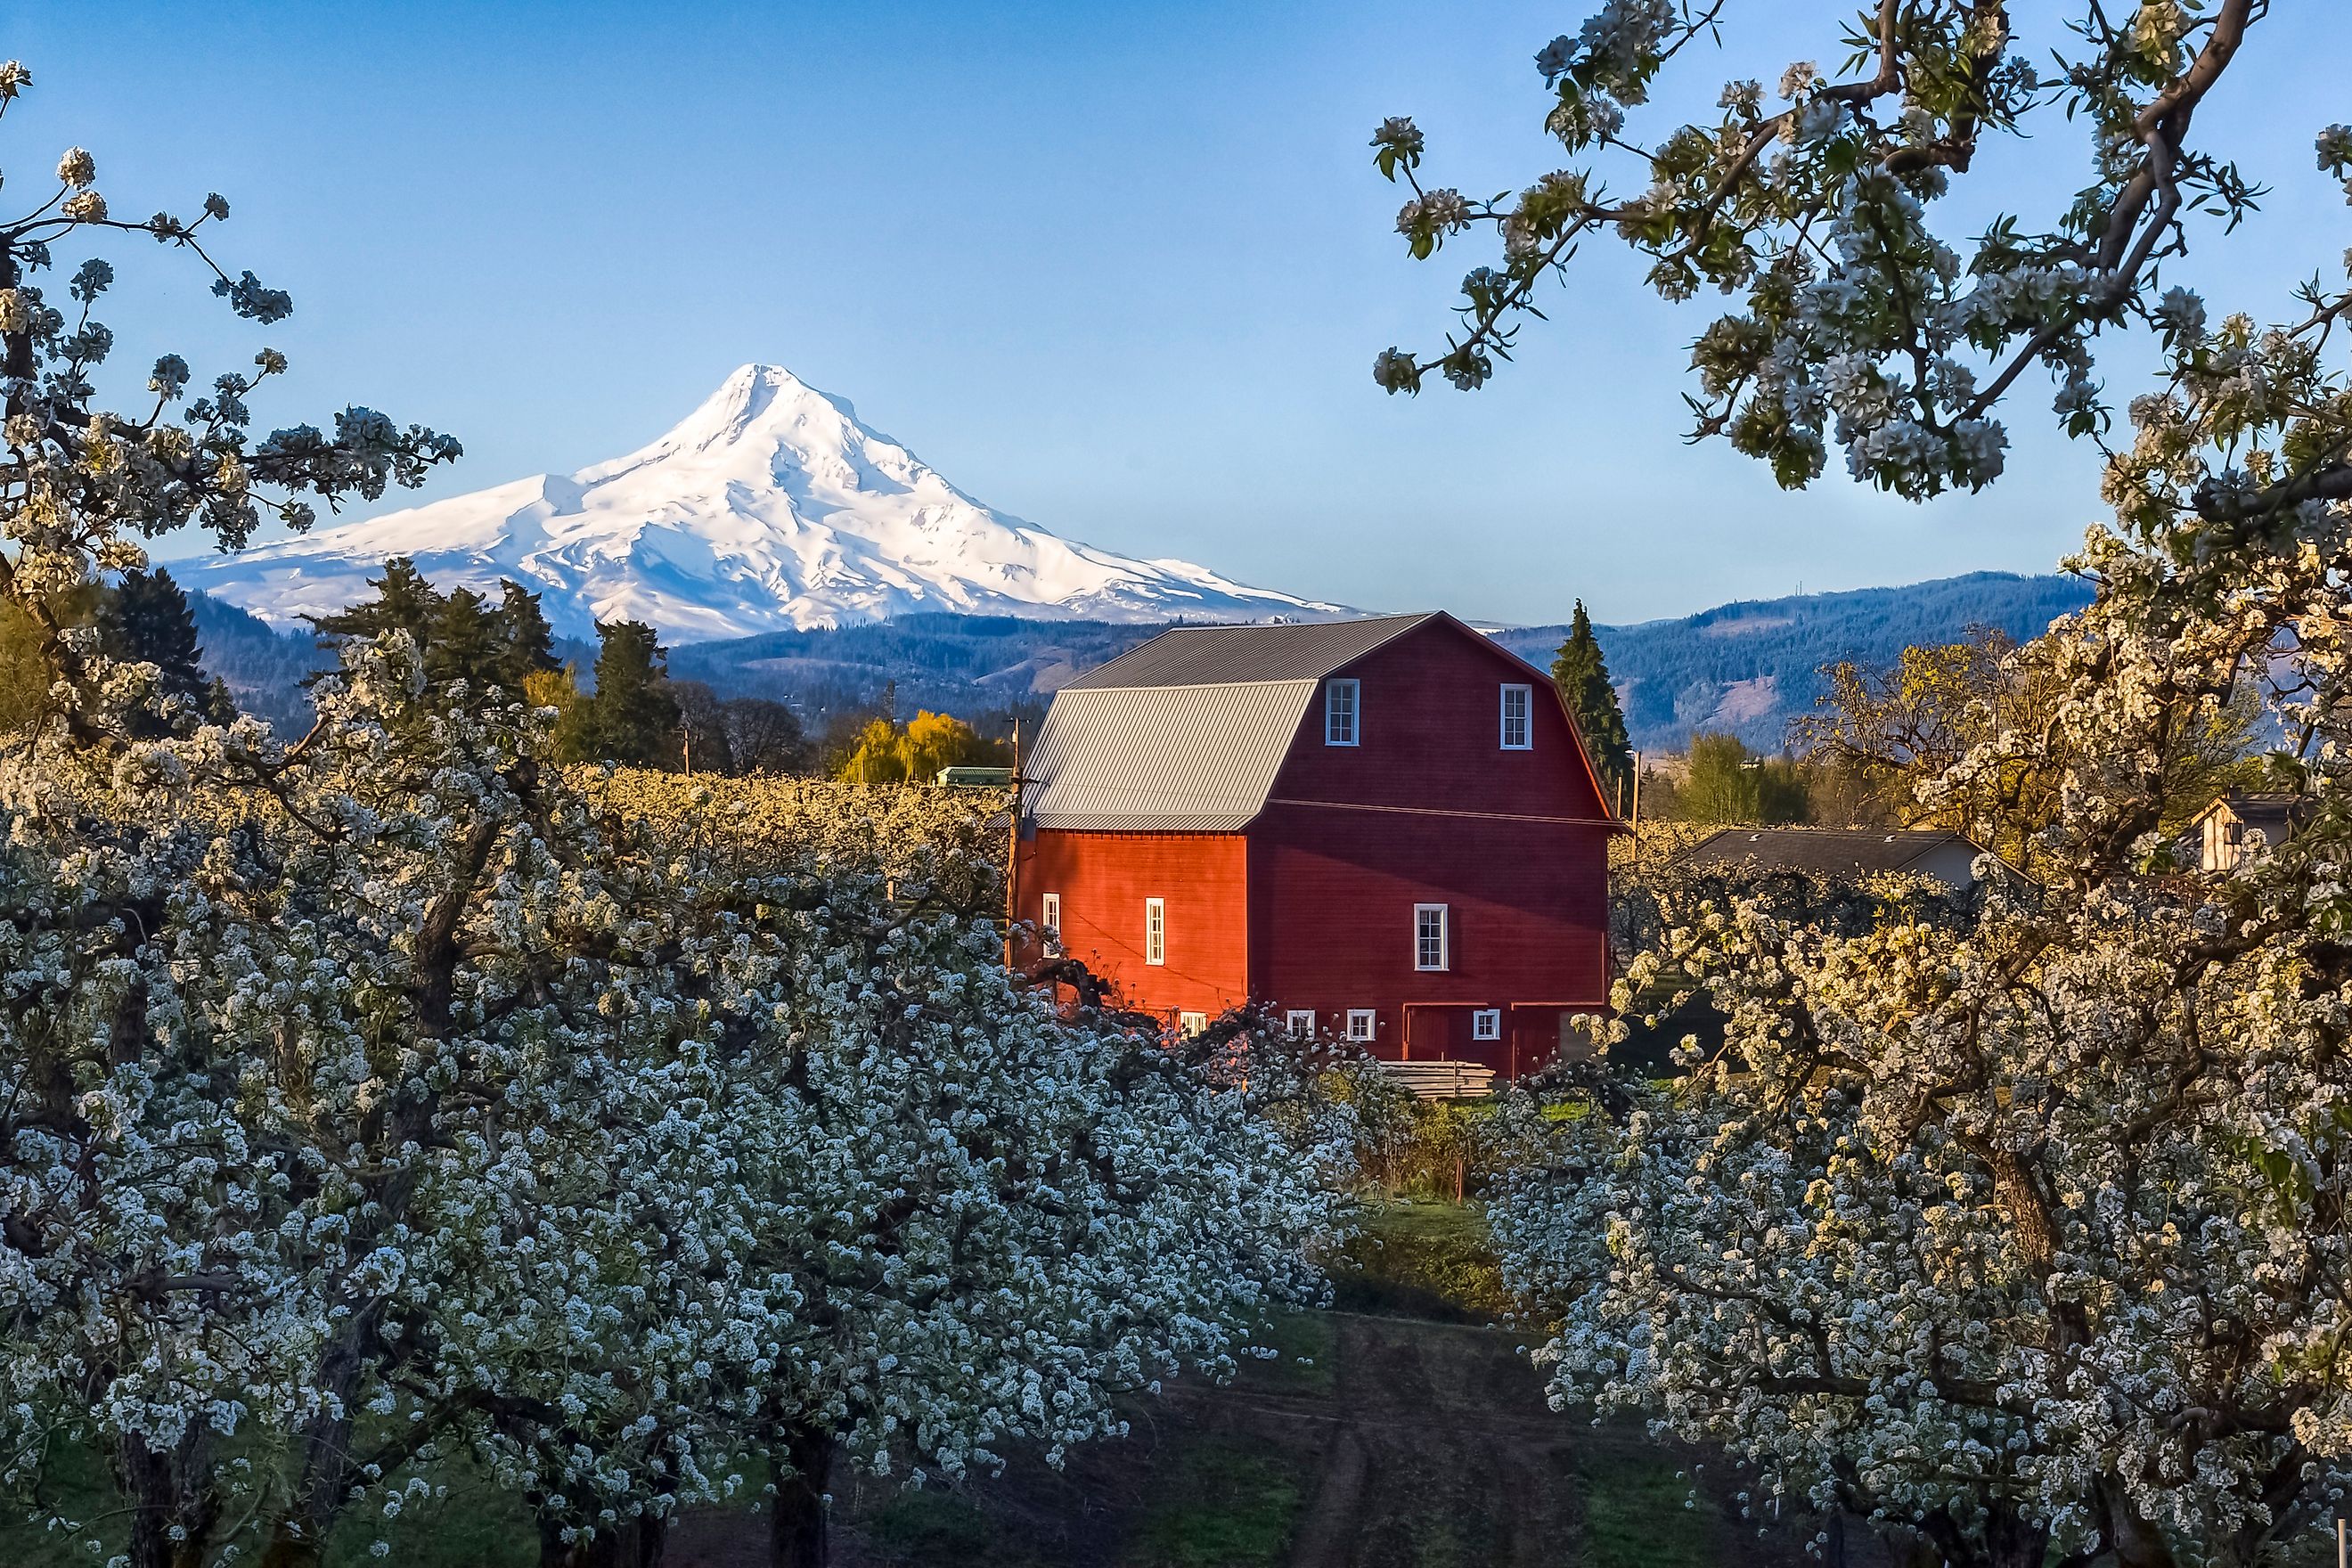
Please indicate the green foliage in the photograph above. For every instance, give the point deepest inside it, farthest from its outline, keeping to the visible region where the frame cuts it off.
(1581, 674)
(1730, 784)
(631, 717)
(461, 634)
(144, 619)
(1423, 1261)
(888, 753)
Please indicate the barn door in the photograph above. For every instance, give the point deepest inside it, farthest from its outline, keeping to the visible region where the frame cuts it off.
(1427, 1038)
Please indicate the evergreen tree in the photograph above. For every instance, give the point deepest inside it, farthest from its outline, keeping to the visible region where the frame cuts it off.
(403, 602)
(530, 640)
(631, 717)
(1583, 675)
(146, 620)
(464, 641)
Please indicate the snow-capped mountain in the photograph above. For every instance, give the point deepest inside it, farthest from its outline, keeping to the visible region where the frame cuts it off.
(770, 507)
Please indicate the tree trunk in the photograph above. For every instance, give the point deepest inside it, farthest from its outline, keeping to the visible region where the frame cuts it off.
(631, 1543)
(167, 1491)
(797, 1534)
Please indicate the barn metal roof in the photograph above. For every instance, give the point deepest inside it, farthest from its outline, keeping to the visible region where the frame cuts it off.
(1163, 758)
(1221, 656)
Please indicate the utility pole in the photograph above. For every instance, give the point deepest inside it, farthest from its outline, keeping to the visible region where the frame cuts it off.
(1637, 808)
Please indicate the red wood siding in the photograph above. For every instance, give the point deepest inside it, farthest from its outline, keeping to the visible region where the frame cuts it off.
(1431, 727)
(1332, 923)
(1104, 879)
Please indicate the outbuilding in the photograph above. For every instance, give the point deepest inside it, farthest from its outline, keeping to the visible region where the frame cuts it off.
(1386, 829)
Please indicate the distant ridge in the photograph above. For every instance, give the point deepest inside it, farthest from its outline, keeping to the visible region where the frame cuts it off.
(1748, 668)
(1751, 667)
(770, 507)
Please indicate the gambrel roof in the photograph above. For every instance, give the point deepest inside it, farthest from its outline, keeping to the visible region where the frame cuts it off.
(1225, 656)
(1185, 734)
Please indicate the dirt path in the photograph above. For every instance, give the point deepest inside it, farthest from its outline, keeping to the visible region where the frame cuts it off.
(1431, 1446)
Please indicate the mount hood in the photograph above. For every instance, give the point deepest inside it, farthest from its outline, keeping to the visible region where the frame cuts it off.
(770, 507)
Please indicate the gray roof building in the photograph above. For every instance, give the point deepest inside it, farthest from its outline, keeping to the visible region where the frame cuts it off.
(1185, 733)
(1948, 858)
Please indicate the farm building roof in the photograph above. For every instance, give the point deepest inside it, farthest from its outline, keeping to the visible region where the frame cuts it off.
(1185, 734)
(1831, 851)
(1225, 656)
(2278, 814)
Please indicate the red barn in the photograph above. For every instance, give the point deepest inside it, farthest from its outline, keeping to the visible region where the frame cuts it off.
(1387, 829)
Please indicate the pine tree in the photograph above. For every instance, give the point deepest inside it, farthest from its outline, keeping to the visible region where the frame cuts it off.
(631, 717)
(465, 642)
(530, 640)
(403, 602)
(1581, 673)
(146, 620)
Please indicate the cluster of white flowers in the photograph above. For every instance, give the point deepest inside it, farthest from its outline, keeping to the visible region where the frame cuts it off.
(386, 1091)
(2023, 1228)
(1818, 214)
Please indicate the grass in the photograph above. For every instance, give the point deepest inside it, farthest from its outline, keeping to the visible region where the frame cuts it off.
(1423, 1261)
(1306, 1358)
(1233, 1502)
(1638, 1512)
(934, 1527)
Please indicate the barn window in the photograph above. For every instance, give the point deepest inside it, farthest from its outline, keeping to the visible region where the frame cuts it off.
(1301, 1023)
(1487, 1024)
(1049, 914)
(1429, 936)
(1342, 710)
(1155, 931)
(1518, 718)
(1191, 1023)
(1360, 1023)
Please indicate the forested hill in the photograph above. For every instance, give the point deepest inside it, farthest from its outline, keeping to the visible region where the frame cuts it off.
(1751, 667)
(1747, 667)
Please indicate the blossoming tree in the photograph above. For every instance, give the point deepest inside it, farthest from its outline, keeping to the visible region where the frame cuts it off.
(378, 1094)
(2027, 1239)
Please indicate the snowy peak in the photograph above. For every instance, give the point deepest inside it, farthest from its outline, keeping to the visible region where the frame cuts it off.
(770, 506)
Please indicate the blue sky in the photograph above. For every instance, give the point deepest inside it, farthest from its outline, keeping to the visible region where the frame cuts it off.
(1119, 269)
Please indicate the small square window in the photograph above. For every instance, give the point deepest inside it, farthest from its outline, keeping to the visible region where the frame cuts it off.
(1300, 1021)
(1049, 914)
(1487, 1024)
(1342, 712)
(1518, 718)
(1360, 1023)
(1155, 931)
(1429, 945)
(1191, 1023)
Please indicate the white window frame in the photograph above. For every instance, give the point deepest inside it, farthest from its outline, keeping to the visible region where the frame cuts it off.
(1363, 1023)
(1049, 914)
(1155, 931)
(1526, 716)
(1191, 1024)
(1299, 1022)
(1485, 1023)
(1354, 713)
(1421, 954)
